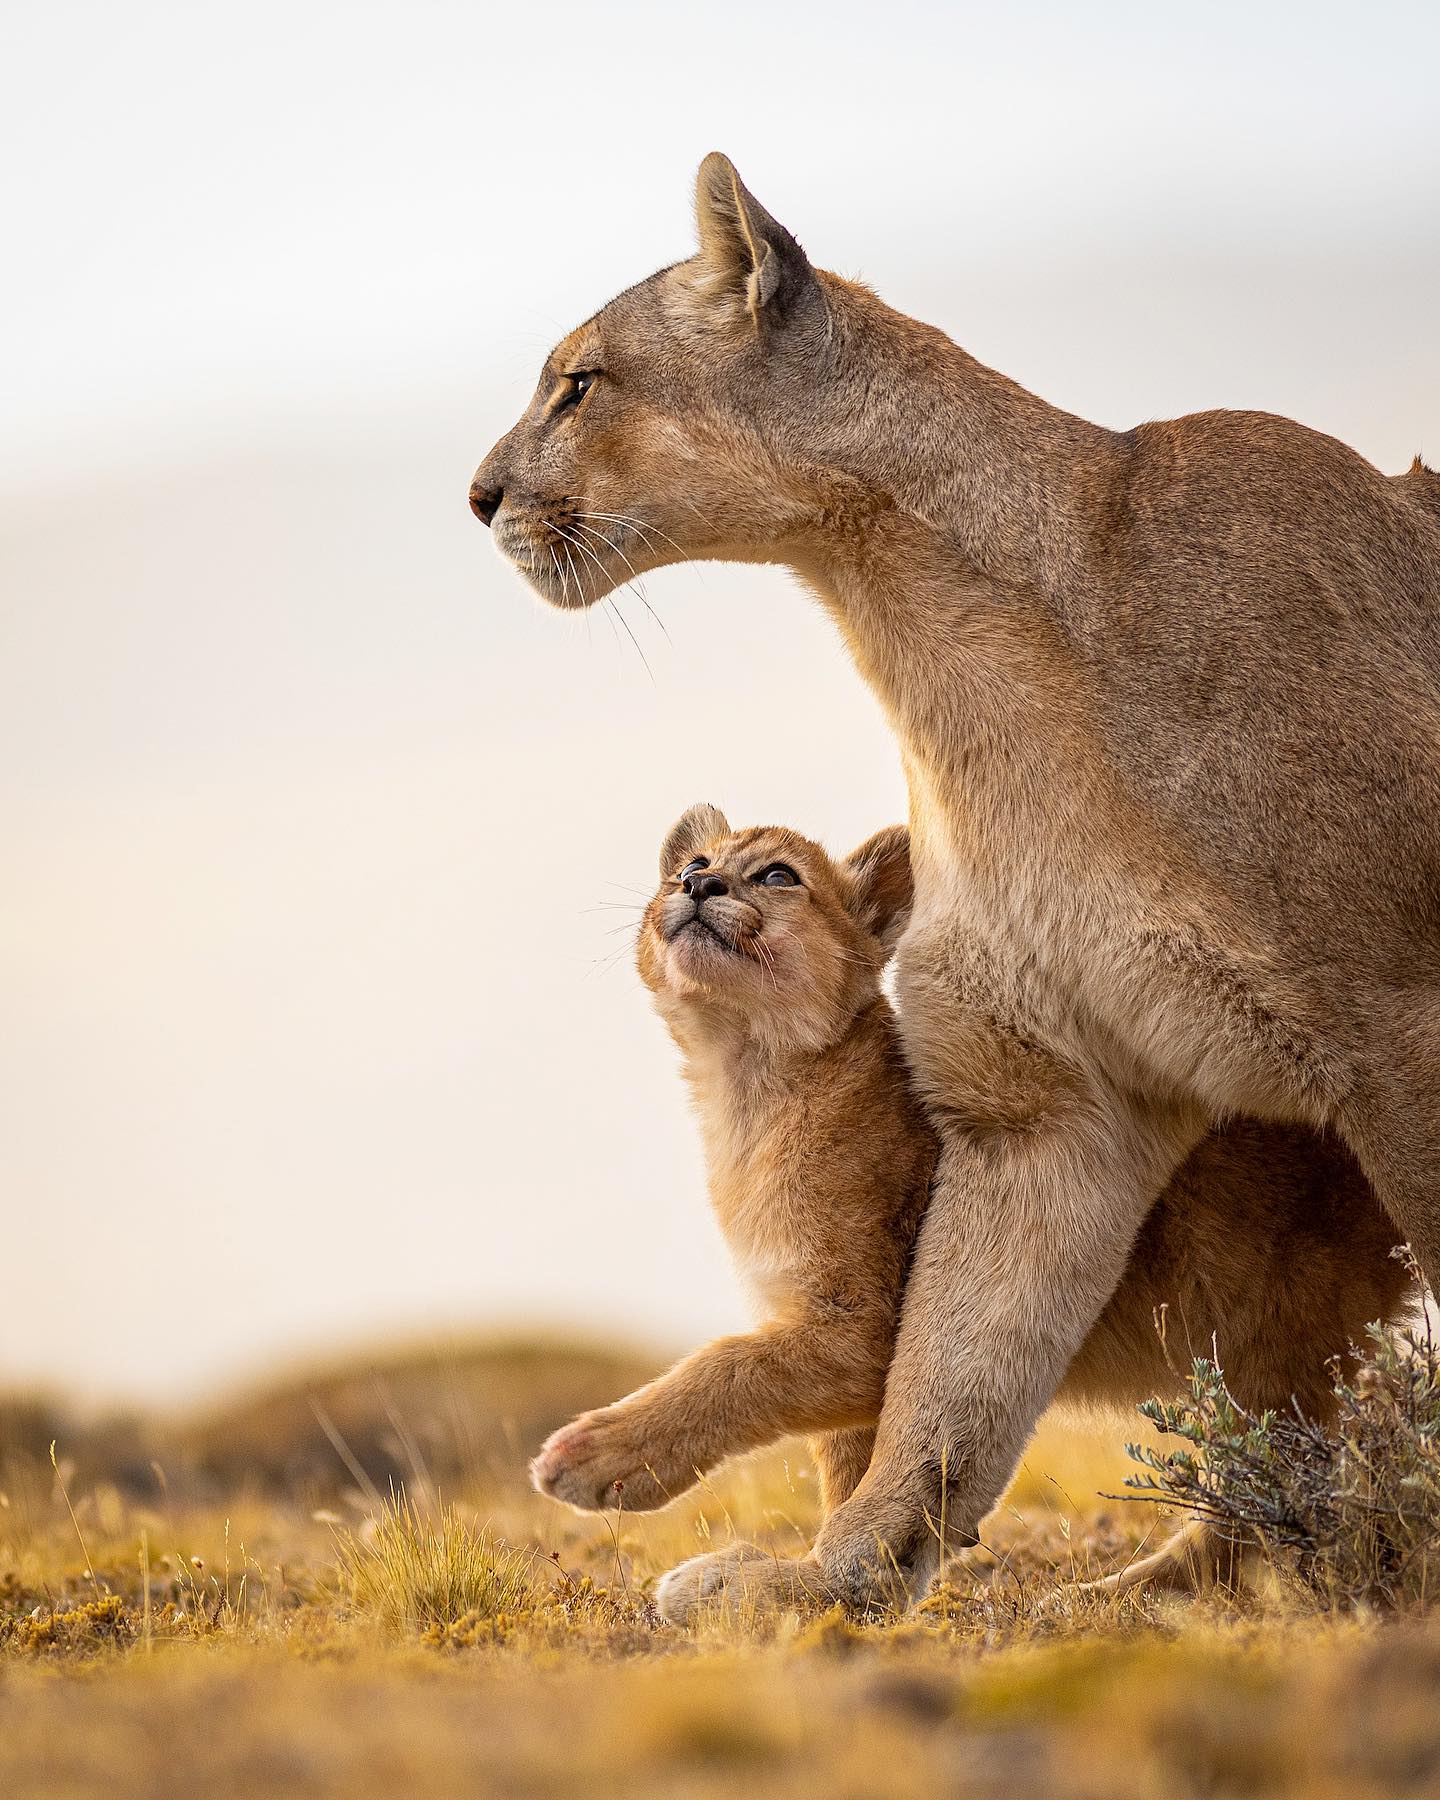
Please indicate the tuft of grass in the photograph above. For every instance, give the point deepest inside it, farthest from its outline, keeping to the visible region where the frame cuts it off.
(1352, 1507)
(80, 1630)
(417, 1571)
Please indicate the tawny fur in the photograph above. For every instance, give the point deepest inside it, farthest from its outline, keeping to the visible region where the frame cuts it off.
(818, 1154)
(1169, 705)
(1264, 1249)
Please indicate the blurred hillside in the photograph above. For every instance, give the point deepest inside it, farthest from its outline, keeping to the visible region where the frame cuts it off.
(468, 1417)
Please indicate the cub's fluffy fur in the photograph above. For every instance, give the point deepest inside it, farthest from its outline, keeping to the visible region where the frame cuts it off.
(765, 958)
(819, 1158)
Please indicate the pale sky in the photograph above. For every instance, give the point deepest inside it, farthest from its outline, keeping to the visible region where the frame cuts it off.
(306, 803)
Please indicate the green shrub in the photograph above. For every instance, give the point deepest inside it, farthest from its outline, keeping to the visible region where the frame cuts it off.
(1352, 1505)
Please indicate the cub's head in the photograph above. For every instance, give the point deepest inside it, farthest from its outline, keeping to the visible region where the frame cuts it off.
(679, 422)
(759, 933)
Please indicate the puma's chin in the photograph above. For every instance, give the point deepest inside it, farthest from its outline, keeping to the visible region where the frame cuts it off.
(561, 589)
(564, 572)
(558, 583)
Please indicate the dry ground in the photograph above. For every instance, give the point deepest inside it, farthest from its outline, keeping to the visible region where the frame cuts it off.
(235, 1608)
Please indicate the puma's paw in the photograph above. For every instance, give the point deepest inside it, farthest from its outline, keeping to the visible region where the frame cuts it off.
(597, 1462)
(742, 1582)
(880, 1553)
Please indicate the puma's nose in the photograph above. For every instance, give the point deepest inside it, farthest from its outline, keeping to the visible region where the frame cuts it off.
(485, 500)
(704, 884)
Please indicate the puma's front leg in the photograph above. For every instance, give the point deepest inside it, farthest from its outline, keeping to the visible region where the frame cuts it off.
(820, 1373)
(1040, 1189)
(745, 1580)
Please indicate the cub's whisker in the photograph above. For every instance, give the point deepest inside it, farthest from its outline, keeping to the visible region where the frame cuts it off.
(602, 963)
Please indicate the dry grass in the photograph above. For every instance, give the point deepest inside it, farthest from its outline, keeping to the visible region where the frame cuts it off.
(417, 1571)
(317, 1638)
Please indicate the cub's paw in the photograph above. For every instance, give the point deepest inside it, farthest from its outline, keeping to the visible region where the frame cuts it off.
(599, 1462)
(741, 1583)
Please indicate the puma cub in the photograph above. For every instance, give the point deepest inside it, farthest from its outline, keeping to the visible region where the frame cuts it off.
(765, 959)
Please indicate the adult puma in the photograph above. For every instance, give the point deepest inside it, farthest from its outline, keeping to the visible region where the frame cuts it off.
(1169, 704)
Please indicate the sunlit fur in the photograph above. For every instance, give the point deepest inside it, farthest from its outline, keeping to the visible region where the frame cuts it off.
(1169, 705)
(774, 969)
(818, 1154)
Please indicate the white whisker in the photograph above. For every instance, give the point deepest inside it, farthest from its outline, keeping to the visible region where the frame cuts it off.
(634, 583)
(633, 639)
(640, 525)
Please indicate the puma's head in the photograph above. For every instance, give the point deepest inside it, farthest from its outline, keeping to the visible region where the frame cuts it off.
(759, 932)
(678, 423)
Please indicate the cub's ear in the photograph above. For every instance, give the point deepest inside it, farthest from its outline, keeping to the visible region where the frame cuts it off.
(700, 826)
(881, 886)
(752, 266)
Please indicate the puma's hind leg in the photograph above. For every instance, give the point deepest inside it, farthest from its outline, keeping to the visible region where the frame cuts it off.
(1392, 1120)
(1195, 1559)
(841, 1459)
(1268, 1253)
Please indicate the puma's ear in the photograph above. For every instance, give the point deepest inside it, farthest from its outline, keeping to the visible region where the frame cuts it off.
(700, 826)
(752, 265)
(882, 887)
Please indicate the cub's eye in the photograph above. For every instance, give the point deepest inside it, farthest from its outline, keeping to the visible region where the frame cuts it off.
(778, 875)
(579, 385)
(693, 868)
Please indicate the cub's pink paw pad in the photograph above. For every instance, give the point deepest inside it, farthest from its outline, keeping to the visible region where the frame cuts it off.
(595, 1464)
(563, 1452)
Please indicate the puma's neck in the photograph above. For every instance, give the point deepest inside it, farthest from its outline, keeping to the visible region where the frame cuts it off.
(955, 556)
(1007, 482)
(983, 684)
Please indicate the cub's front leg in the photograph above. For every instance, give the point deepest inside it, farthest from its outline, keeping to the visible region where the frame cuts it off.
(817, 1374)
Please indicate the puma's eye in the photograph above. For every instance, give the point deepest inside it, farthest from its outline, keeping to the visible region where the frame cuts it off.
(693, 868)
(778, 875)
(580, 384)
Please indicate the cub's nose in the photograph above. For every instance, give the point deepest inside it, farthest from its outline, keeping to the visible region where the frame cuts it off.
(484, 500)
(704, 884)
